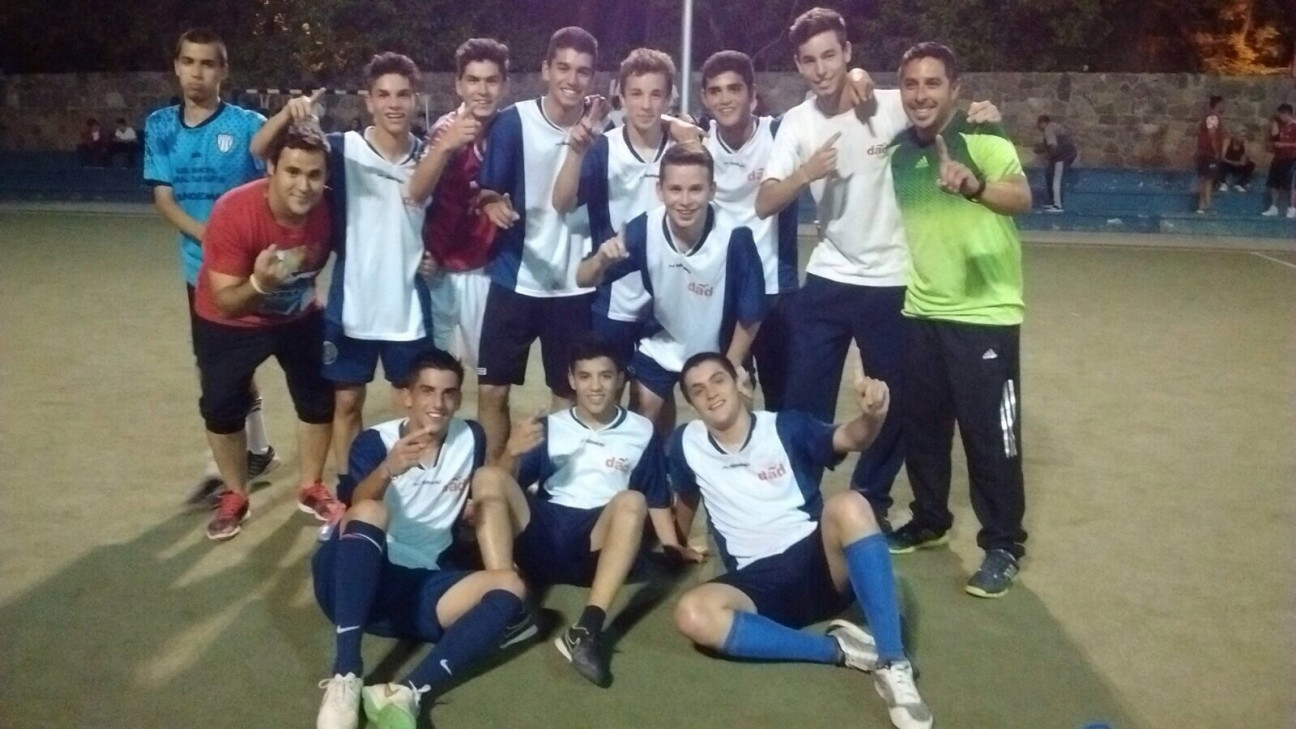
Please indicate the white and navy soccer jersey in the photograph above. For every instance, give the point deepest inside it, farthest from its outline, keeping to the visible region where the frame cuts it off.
(377, 293)
(583, 468)
(424, 502)
(738, 174)
(763, 497)
(618, 184)
(200, 163)
(539, 254)
(697, 296)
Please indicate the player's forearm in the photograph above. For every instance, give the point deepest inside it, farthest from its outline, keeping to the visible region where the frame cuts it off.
(591, 271)
(685, 510)
(565, 187)
(260, 144)
(237, 299)
(775, 195)
(177, 217)
(664, 527)
(428, 173)
(740, 344)
(1007, 197)
(856, 435)
(372, 487)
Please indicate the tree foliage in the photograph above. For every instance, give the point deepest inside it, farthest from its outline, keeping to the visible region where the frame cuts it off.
(323, 41)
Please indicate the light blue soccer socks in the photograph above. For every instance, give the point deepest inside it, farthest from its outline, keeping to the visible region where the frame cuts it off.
(754, 636)
(873, 580)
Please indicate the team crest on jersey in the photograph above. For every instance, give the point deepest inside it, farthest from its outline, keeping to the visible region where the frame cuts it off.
(224, 142)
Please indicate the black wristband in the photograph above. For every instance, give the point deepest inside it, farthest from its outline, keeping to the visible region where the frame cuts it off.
(977, 195)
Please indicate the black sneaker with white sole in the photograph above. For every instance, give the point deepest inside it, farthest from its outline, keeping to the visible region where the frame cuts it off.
(912, 537)
(260, 464)
(522, 629)
(584, 650)
(998, 570)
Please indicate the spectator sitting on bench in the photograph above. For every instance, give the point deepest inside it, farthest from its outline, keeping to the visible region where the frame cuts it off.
(125, 142)
(94, 147)
(1236, 163)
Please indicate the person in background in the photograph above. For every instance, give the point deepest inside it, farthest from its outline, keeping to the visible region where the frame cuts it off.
(1210, 144)
(1059, 153)
(1282, 135)
(93, 149)
(1237, 163)
(124, 142)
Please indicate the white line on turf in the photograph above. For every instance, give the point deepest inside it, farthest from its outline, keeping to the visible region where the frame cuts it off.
(1278, 261)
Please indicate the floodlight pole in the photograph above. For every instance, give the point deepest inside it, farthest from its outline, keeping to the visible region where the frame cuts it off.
(686, 56)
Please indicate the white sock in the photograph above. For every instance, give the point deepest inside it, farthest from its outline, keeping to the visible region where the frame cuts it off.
(258, 441)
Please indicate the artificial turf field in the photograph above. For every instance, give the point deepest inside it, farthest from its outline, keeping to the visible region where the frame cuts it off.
(1158, 413)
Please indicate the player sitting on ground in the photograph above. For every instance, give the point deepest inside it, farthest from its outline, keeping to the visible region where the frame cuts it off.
(384, 571)
(704, 276)
(600, 475)
(792, 558)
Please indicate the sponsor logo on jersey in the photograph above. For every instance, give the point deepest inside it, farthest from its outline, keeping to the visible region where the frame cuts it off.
(877, 149)
(617, 463)
(769, 473)
(224, 142)
(701, 289)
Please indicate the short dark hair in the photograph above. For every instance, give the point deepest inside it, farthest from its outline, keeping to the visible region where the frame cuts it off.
(688, 153)
(1284, 107)
(644, 61)
(931, 49)
(1215, 100)
(702, 358)
(593, 347)
(815, 21)
(433, 359)
(481, 49)
(573, 37)
(305, 134)
(726, 61)
(203, 37)
(1043, 119)
(387, 63)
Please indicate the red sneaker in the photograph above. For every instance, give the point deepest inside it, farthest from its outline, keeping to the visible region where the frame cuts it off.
(231, 512)
(317, 501)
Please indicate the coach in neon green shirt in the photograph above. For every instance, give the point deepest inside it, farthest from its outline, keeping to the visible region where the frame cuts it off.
(958, 186)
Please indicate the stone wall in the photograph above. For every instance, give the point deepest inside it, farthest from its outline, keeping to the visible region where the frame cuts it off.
(1117, 120)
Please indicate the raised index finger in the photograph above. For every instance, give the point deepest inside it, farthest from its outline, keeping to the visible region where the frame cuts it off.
(831, 140)
(316, 94)
(941, 149)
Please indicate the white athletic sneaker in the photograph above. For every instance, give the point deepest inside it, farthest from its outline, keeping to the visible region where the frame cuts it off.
(894, 682)
(390, 706)
(1239, 188)
(855, 643)
(1271, 212)
(1291, 213)
(341, 707)
(1223, 187)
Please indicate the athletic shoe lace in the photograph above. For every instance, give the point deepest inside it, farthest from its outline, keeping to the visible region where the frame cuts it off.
(340, 692)
(230, 506)
(899, 678)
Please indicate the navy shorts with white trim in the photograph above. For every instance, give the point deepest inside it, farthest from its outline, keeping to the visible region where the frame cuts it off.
(554, 549)
(792, 588)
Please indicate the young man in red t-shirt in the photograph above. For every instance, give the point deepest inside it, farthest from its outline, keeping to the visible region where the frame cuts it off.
(1210, 147)
(458, 235)
(263, 247)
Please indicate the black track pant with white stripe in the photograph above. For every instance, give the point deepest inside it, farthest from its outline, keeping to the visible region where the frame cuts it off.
(969, 374)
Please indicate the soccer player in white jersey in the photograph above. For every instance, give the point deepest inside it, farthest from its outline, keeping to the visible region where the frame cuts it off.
(792, 557)
(600, 475)
(194, 153)
(378, 304)
(615, 175)
(456, 232)
(740, 141)
(533, 291)
(385, 569)
(835, 143)
(703, 274)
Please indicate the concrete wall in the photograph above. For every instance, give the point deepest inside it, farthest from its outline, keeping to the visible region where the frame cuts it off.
(1118, 120)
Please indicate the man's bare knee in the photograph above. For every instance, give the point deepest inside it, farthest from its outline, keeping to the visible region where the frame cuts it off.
(507, 580)
(630, 504)
(698, 621)
(850, 511)
(490, 482)
(370, 512)
(496, 396)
